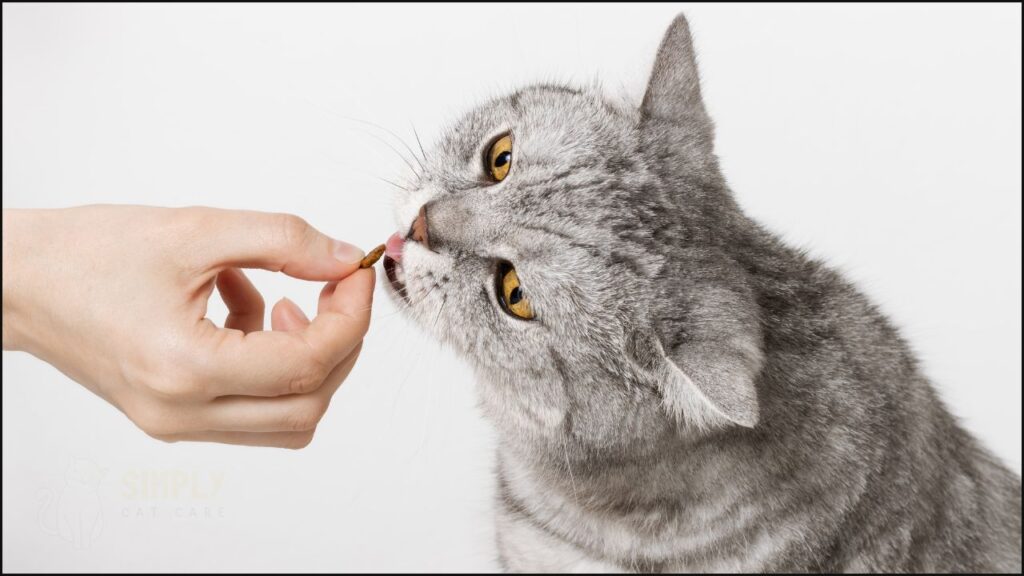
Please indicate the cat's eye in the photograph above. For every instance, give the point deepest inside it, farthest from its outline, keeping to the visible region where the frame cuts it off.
(511, 294)
(499, 158)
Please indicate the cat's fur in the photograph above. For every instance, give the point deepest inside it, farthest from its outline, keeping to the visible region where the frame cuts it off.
(693, 395)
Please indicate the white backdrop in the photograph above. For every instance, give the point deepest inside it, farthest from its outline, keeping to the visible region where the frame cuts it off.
(885, 139)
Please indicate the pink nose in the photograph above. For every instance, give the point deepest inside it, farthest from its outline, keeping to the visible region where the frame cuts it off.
(418, 231)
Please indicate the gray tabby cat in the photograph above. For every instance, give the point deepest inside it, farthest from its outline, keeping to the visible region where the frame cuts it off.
(674, 388)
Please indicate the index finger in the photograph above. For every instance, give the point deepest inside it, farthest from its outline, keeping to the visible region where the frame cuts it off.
(272, 241)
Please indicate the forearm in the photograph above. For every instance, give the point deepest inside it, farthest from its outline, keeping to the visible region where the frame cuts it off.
(37, 259)
(16, 229)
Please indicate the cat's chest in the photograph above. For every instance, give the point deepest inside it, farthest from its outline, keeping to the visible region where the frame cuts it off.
(541, 528)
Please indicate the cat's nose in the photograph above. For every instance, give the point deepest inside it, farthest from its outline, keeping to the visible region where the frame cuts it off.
(418, 231)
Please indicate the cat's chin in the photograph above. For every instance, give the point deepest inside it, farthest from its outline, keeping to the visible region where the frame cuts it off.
(395, 275)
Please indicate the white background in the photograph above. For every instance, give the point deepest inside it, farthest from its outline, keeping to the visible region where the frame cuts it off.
(885, 139)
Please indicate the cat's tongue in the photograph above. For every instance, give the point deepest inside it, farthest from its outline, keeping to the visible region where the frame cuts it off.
(393, 247)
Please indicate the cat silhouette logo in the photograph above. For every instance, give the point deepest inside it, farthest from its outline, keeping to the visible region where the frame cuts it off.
(73, 512)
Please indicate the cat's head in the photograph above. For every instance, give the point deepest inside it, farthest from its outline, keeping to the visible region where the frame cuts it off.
(572, 249)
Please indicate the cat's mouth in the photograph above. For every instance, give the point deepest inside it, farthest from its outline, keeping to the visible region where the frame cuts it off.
(394, 273)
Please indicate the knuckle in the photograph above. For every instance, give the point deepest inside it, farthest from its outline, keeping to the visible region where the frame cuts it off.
(308, 372)
(259, 305)
(356, 321)
(176, 384)
(300, 421)
(187, 223)
(306, 417)
(293, 229)
(176, 375)
(302, 381)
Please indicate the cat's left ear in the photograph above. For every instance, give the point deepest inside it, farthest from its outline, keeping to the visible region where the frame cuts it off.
(673, 92)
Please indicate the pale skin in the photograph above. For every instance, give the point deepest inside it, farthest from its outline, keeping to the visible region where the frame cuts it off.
(115, 297)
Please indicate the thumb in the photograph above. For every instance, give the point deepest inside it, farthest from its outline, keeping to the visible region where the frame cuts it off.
(276, 242)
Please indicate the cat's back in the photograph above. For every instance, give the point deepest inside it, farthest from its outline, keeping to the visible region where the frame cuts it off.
(933, 498)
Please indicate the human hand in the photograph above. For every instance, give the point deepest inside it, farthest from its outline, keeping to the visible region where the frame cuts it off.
(115, 297)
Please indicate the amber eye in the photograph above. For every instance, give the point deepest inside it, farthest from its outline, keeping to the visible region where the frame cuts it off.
(499, 158)
(510, 294)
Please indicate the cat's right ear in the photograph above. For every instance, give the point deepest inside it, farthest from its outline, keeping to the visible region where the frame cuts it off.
(708, 389)
(673, 91)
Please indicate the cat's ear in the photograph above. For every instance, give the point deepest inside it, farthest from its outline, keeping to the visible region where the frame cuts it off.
(711, 387)
(705, 368)
(673, 91)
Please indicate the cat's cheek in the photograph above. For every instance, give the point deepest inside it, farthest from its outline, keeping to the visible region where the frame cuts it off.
(425, 289)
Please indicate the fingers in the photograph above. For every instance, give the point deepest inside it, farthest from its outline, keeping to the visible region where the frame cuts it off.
(245, 305)
(278, 242)
(243, 384)
(295, 359)
(287, 316)
(343, 315)
(267, 363)
(325, 295)
(291, 440)
(291, 413)
(243, 419)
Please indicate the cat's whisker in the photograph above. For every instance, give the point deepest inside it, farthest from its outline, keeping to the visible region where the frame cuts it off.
(416, 361)
(408, 374)
(439, 309)
(426, 419)
(362, 172)
(395, 150)
(395, 136)
(379, 127)
(400, 308)
(396, 185)
(418, 142)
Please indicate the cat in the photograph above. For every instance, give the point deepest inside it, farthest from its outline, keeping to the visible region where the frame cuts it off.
(674, 388)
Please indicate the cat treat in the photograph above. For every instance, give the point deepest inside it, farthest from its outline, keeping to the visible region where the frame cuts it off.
(371, 258)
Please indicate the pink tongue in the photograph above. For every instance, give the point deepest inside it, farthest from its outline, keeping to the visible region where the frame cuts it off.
(393, 247)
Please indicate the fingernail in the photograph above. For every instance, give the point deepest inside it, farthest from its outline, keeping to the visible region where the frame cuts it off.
(347, 253)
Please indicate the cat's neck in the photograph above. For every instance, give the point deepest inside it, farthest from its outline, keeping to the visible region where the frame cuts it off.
(688, 494)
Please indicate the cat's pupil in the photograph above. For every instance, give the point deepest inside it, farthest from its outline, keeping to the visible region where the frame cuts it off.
(515, 295)
(502, 159)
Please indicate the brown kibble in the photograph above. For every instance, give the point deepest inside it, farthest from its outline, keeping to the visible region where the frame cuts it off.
(371, 258)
